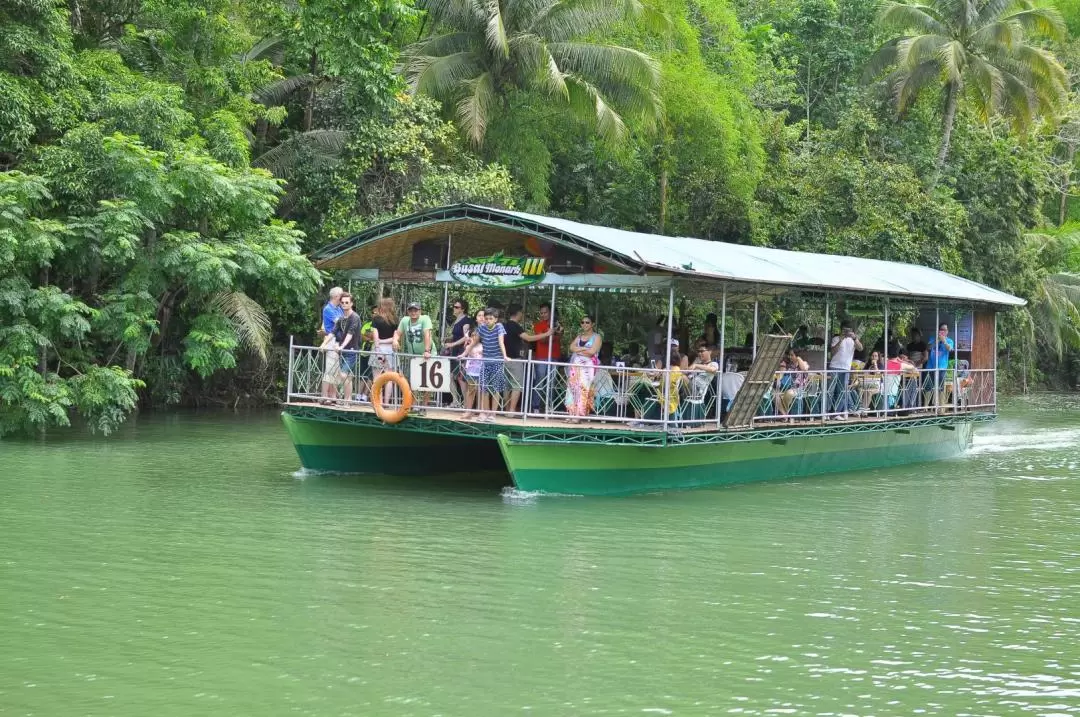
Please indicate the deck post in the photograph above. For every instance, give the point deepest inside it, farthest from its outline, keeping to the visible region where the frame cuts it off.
(526, 390)
(885, 360)
(442, 314)
(826, 389)
(550, 368)
(937, 388)
(288, 378)
(667, 372)
(720, 373)
(956, 357)
(753, 347)
(995, 357)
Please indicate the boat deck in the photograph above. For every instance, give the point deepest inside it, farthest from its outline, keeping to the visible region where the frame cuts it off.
(623, 425)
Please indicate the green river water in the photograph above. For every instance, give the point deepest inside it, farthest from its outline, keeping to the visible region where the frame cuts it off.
(185, 567)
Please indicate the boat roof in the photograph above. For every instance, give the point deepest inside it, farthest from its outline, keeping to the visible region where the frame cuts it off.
(480, 229)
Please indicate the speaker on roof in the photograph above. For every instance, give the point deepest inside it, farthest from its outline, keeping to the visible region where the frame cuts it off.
(427, 255)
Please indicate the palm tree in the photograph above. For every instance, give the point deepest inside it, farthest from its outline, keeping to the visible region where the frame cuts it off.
(979, 50)
(1055, 303)
(480, 51)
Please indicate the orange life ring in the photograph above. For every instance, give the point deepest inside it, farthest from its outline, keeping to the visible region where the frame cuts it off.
(386, 415)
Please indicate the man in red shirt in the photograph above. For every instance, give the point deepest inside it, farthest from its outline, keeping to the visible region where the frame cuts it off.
(545, 330)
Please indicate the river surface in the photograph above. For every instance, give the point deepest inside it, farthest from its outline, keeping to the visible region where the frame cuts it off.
(185, 567)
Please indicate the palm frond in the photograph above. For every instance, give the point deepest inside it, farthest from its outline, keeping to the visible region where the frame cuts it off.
(269, 48)
(444, 43)
(465, 15)
(318, 145)
(474, 108)
(248, 318)
(1044, 21)
(913, 51)
(278, 92)
(495, 30)
(587, 101)
(999, 34)
(906, 84)
(883, 59)
(586, 18)
(908, 17)
(441, 77)
(984, 86)
(953, 61)
(612, 63)
(625, 78)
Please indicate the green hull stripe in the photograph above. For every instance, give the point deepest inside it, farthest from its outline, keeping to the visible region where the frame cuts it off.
(614, 470)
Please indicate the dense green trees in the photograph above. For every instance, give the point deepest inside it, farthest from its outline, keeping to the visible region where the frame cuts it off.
(165, 166)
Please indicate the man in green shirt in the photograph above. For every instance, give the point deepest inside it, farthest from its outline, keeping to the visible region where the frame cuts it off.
(413, 337)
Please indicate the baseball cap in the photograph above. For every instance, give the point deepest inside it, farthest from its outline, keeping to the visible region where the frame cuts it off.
(413, 305)
(675, 342)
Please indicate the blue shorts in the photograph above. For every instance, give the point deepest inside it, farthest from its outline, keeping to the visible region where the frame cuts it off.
(348, 360)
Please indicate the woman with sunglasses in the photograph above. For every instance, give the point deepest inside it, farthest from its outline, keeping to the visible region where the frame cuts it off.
(584, 348)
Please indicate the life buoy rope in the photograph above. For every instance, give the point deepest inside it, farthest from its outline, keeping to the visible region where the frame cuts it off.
(386, 415)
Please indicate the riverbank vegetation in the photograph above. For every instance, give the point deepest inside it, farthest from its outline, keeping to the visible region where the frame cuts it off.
(165, 167)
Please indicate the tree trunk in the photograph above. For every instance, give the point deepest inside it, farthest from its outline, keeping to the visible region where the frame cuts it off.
(1065, 185)
(808, 56)
(309, 105)
(952, 99)
(75, 16)
(663, 200)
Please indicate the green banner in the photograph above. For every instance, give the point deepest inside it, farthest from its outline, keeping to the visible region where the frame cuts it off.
(498, 271)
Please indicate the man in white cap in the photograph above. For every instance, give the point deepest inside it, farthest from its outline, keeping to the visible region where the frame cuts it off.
(332, 370)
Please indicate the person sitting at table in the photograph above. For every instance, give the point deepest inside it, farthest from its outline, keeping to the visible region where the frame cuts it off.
(871, 382)
(632, 358)
(789, 383)
(702, 374)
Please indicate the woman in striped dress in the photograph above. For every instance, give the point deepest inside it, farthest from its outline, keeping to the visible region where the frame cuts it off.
(492, 336)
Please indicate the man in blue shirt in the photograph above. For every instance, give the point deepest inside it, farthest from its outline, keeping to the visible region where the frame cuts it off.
(332, 370)
(937, 361)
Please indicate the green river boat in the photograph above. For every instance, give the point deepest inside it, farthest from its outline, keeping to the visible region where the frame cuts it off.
(661, 427)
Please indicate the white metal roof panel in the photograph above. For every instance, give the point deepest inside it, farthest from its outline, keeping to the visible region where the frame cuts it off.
(762, 265)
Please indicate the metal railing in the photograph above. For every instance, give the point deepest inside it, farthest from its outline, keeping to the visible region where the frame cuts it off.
(582, 392)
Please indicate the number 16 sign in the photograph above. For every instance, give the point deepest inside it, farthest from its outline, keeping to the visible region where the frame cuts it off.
(429, 374)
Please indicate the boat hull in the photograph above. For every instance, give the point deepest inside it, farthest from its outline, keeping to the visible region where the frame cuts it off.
(329, 442)
(328, 446)
(590, 469)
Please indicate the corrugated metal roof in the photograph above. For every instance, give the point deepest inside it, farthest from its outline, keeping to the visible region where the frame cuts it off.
(699, 258)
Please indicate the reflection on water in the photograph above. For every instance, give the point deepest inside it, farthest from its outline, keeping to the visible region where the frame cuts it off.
(185, 568)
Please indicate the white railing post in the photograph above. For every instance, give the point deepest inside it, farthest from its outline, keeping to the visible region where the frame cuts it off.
(289, 375)
(667, 349)
(826, 389)
(723, 367)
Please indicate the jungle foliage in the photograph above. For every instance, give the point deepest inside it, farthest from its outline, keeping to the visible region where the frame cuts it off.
(165, 167)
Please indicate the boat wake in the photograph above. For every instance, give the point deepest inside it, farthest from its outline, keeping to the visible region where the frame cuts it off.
(1047, 439)
(513, 496)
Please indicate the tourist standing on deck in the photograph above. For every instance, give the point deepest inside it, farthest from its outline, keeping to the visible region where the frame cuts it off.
(413, 335)
(579, 377)
(544, 331)
(384, 326)
(841, 354)
(492, 336)
(345, 335)
(459, 337)
(332, 369)
(937, 363)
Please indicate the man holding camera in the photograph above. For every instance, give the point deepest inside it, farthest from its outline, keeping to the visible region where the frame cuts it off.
(841, 354)
(937, 363)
